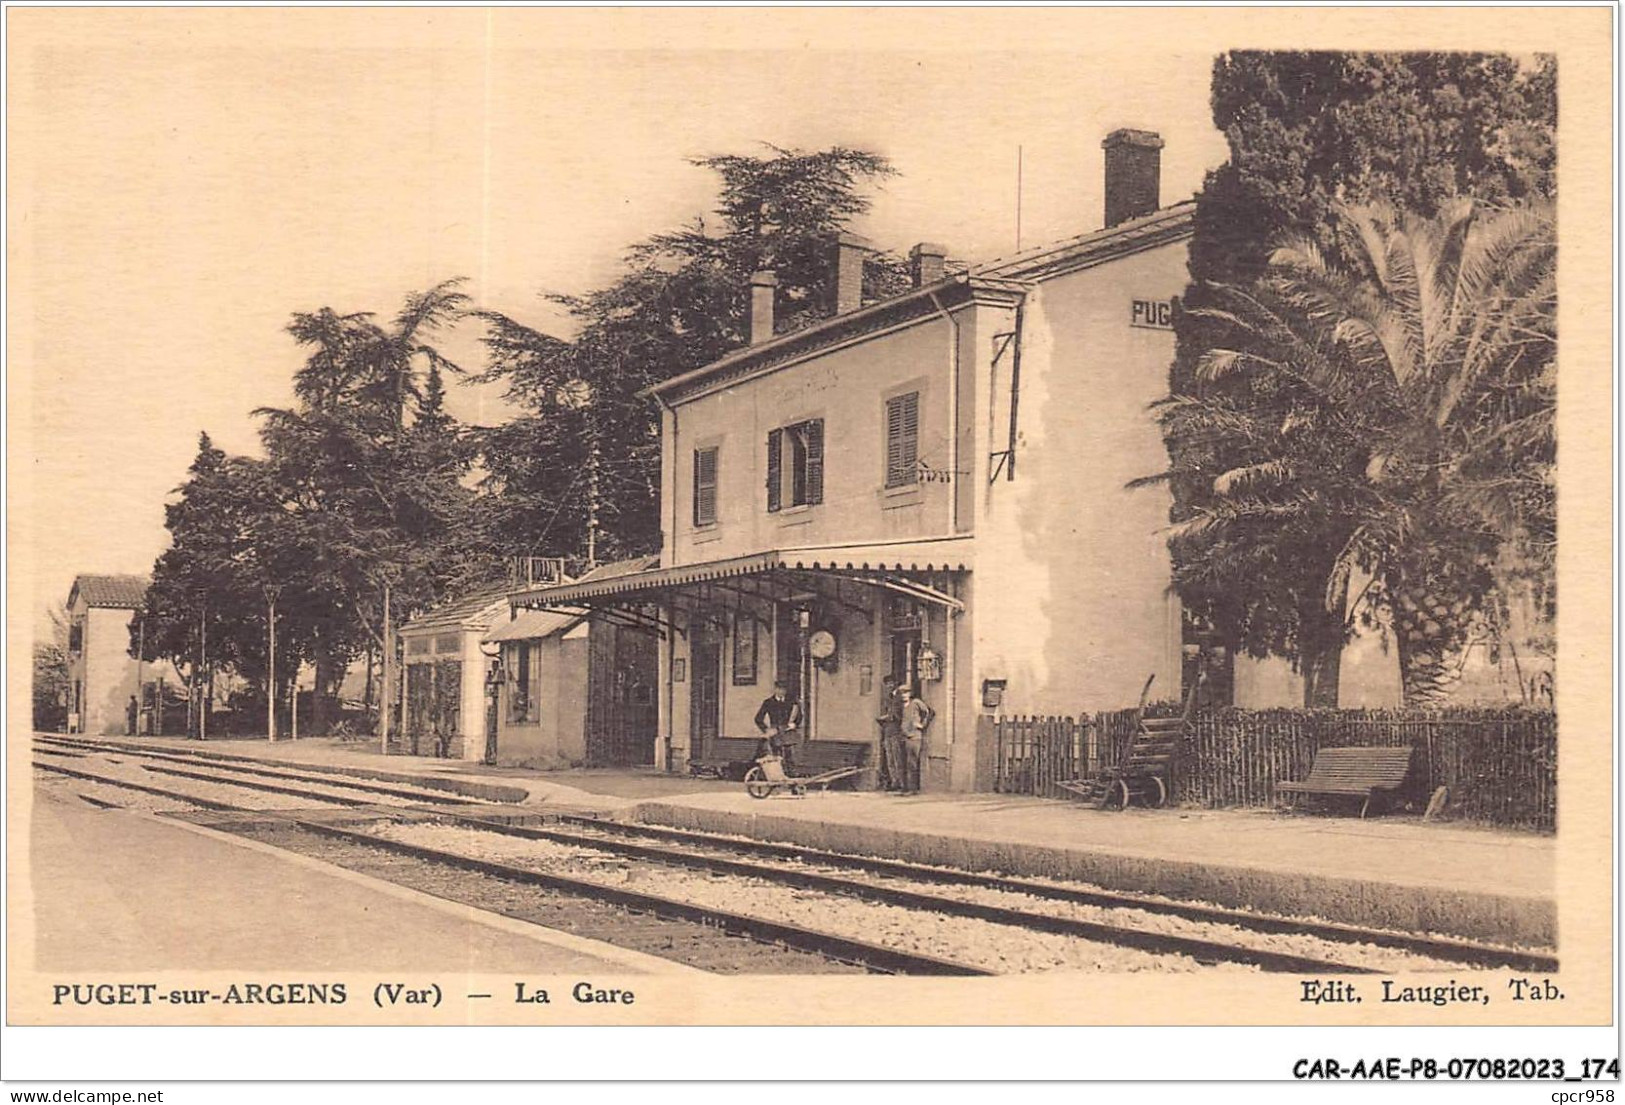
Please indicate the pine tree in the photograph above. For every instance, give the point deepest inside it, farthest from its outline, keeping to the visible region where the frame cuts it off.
(585, 452)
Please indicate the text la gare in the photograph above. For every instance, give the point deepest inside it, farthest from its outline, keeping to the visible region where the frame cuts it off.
(583, 992)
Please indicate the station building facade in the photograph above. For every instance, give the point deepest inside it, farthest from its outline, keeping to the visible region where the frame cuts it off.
(933, 487)
(444, 710)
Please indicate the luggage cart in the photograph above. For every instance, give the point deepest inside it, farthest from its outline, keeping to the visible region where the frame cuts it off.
(767, 775)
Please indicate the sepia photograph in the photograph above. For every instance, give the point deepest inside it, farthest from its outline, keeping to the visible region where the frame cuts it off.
(812, 517)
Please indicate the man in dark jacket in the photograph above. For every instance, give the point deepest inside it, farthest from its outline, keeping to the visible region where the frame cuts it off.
(892, 772)
(779, 720)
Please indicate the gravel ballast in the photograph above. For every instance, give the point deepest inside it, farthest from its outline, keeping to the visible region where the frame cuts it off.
(1005, 949)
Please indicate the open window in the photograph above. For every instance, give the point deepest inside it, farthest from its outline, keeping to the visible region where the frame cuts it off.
(522, 704)
(795, 465)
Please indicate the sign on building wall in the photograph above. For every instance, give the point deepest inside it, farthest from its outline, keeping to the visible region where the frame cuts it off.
(1152, 314)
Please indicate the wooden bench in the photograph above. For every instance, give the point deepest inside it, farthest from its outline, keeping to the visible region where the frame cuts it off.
(1354, 772)
(725, 757)
(731, 757)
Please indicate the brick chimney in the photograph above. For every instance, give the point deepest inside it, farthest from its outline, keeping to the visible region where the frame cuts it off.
(927, 263)
(764, 286)
(1133, 174)
(850, 251)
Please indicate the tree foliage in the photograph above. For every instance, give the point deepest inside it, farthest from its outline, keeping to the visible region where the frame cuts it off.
(1311, 133)
(366, 479)
(1386, 410)
(52, 687)
(361, 481)
(585, 449)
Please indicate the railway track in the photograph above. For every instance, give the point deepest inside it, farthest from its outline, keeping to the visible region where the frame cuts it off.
(700, 847)
(1211, 936)
(718, 940)
(60, 746)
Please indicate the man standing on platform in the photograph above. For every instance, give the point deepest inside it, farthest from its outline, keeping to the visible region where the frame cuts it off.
(779, 720)
(916, 720)
(893, 774)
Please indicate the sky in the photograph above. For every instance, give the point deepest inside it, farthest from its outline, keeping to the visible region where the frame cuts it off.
(189, 179)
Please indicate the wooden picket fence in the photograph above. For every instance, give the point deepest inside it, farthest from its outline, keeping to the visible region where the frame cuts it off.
(1500, 765)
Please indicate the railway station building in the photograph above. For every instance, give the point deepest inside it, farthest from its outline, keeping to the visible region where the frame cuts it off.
(933, 487)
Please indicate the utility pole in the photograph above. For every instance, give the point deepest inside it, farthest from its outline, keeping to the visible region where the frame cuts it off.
(1018, 199)
(592, 502)
(270, 666)
(140, 652)
(389, 670)
(205, 685)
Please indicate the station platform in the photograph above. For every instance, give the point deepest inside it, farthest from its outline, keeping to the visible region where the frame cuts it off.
(1393, 872)
(114, 890)
(1389, 872)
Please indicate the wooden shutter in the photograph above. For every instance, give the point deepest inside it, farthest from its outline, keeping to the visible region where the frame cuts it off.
(705, 486)
(902, 439)
(815, 460)
(775, 452)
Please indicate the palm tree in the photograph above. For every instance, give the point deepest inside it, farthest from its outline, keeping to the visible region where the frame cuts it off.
(1391, 406)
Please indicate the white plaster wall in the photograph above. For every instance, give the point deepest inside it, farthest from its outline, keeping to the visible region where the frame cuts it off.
(1073, 605)
(847, 388)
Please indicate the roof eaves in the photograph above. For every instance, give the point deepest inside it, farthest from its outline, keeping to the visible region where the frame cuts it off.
(1131, 236)
(810, 337)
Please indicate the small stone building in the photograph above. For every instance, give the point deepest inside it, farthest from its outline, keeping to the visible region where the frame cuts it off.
(444, 712)
(575, 692)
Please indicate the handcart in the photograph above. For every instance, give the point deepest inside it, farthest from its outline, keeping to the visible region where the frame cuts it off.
(767, 775)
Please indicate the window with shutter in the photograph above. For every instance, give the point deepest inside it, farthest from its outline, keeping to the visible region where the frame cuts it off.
(775, 455)
(705, 487)
(902, 439)
(813, 435)
(795, 465)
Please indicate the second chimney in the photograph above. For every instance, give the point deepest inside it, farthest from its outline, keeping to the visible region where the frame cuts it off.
(1133, 174)
(850, 251)
(764, 286)
(927, 263)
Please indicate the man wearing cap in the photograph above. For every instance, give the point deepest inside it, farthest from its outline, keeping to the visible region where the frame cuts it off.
(779, 720)
(917, 718)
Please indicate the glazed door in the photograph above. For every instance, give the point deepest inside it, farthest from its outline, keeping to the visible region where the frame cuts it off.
(637, 660)
(705, 716)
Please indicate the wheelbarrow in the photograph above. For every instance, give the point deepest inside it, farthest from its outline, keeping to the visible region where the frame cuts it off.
(767, 775)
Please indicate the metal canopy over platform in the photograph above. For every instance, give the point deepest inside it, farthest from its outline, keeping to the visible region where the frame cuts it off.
(920, 570)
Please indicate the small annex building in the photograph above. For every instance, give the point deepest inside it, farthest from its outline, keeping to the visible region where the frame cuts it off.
(444, 712)
(575, 692)
(102, 674)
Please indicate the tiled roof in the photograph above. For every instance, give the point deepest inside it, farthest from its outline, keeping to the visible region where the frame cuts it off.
(115, 592)
(477, 610)
(1005, 276)
(1127, 237)
(531, 624)
(618, 568)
